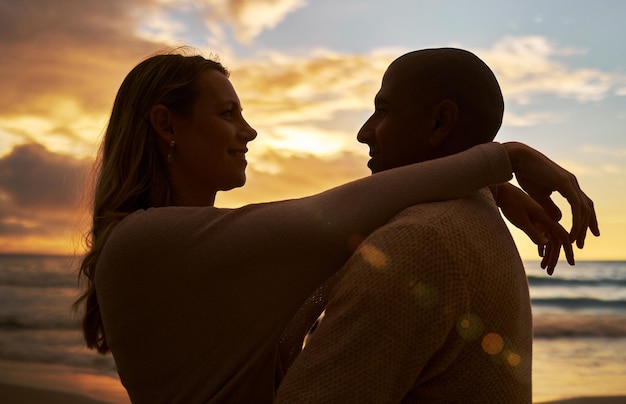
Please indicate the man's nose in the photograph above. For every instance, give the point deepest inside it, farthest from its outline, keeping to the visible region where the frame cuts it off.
(365, 133)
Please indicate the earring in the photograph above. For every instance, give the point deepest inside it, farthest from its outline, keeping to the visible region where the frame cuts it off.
(170, 155)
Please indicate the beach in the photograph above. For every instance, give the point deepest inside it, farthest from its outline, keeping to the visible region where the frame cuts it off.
(26, 395)
(25, 382)
(60, 386)
(49, 383)
(591, 400)
(579, 348)
(12, 394)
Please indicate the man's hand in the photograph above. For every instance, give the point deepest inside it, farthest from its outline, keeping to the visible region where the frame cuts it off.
(545, 231)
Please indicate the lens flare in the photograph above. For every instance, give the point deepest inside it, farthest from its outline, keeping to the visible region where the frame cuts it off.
(492, 343)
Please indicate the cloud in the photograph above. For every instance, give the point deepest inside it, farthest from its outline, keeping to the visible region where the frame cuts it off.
(326, 86)
(323, 95)
(301, 139)
(157, 24)
(528, 67)
(65, 126)
(611, 168)
(61, 64)
(513, 119)
(60, 67)
(63, 61)
(248, 18)
(604, 151)
(607, 171)
(33, 177)
(68, 60)
(40, 191)
(77, 48)
(291, 176)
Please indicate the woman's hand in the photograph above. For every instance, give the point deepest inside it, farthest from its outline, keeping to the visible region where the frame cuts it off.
(526, 214)
(539, 177)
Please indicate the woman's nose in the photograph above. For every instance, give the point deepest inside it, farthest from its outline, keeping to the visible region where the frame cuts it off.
(249, 131)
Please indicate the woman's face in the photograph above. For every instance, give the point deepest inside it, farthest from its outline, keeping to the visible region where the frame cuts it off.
(211, 139)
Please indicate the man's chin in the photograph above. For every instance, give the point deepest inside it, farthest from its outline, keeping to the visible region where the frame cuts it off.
(372, 166)
(375, 168)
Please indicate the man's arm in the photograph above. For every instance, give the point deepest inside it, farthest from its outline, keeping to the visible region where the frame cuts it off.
(384, 321)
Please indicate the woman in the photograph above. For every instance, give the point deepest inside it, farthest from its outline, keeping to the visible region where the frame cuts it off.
(191, 299)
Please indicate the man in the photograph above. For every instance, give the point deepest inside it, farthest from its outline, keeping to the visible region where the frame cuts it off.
(434, 306)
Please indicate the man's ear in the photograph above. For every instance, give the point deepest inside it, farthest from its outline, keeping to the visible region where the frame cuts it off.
(161, 121)
(446, 115)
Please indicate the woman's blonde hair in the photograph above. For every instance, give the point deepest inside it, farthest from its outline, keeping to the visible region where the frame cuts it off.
(132, 171)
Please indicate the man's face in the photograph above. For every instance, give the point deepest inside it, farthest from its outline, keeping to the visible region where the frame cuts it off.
(397, 133)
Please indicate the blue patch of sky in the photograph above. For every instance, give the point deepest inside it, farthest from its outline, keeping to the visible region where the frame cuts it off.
(195, 31)
(572, 125)
(358, 26)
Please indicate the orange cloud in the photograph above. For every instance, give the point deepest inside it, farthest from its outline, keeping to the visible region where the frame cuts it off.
(80, 49)
(61, 65)
(293, 177)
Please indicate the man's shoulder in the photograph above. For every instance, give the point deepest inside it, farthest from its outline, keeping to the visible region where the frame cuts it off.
(473, 206)
(416, 226)
(439, 224)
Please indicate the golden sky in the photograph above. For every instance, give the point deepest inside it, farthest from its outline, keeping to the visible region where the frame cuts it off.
(306, 91)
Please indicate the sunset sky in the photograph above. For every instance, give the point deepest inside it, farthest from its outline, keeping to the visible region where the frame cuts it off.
(306, 72)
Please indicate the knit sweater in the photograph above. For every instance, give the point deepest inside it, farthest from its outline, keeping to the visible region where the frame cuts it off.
(432, 308)
(194, 300)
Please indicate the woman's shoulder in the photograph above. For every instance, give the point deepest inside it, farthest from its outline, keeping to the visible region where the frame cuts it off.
(155, 218)
(155, 226)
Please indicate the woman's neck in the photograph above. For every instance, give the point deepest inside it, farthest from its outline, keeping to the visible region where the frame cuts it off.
(195, 199)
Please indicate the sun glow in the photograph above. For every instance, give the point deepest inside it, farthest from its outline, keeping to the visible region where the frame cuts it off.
(307, 140)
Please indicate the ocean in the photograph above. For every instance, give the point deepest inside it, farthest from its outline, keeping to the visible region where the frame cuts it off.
(579, 319)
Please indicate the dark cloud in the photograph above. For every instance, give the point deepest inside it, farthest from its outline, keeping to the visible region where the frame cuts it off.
(33, 177)
(26, 20)
(42, 194)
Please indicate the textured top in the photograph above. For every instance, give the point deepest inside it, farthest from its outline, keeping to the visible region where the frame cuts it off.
(194, 300)
(432, 308)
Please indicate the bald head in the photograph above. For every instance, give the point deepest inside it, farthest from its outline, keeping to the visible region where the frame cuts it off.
(432, 103)
(461, 77)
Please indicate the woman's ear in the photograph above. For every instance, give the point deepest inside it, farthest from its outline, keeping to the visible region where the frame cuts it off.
(446, 117)
(161, 121)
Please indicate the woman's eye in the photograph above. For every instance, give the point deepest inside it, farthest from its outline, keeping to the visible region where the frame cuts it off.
(228, 113)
